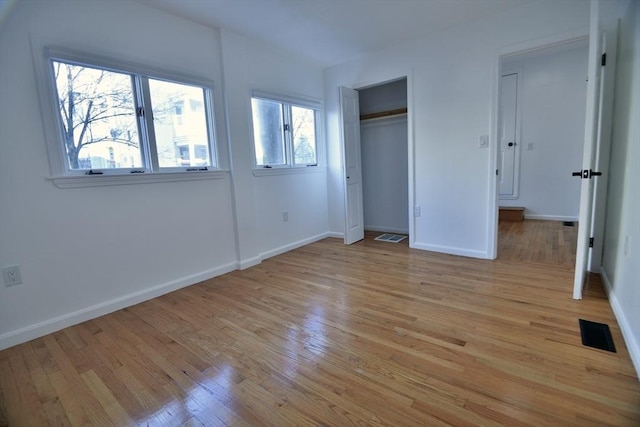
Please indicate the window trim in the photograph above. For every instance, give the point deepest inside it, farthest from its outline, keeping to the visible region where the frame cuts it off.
(289, 100)
(60, 172)
(78, 181)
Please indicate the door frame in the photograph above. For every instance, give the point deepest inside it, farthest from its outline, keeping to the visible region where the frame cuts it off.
(498, 55)
(380, 80)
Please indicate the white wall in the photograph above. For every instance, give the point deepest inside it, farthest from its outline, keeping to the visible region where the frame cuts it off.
(621, 253)
(88, 251)
(553, 96)
(87, 247)
(384, 174)
(250, 65)
(451, 78)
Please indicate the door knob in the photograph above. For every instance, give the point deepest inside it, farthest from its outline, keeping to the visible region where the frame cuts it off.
(511, 144)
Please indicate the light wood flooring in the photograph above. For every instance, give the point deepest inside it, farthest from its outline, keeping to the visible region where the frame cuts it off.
(548, 242)
(369, 334)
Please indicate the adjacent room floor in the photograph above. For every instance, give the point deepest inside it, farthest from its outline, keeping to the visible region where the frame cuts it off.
(370, 334)
(548, 242)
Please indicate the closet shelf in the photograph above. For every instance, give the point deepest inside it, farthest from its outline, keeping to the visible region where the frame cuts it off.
(388, 113)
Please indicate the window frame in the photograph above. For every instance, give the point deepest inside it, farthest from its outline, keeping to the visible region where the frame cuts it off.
(286, 102)
(61, 172)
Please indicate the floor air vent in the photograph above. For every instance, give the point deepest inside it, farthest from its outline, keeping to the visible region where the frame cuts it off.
(596, 335)
(393, 238)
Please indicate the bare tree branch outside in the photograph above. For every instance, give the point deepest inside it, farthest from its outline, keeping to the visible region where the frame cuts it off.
(97, 108)
(100, 121)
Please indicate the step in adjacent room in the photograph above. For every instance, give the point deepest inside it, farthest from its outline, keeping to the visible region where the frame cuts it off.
(511, 213)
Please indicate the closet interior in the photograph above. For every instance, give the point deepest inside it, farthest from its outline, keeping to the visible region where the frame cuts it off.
(384, 148)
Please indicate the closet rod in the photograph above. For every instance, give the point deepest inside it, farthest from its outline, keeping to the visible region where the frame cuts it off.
(387, 113)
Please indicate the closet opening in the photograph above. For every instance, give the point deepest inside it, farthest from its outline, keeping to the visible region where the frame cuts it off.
(385, 160)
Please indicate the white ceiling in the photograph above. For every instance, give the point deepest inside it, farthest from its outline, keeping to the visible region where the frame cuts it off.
(329, 32)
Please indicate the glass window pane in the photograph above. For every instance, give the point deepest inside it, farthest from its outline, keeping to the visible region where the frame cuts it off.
(98, 113)
(180, 123)
(268, 132)
(303, 135)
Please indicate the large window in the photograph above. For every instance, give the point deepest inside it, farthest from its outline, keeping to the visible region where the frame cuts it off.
(114, 121)
(284, 132)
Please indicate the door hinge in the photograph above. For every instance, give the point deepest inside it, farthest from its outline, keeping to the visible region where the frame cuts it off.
(603, 62)
(140, 112)
(590, 242)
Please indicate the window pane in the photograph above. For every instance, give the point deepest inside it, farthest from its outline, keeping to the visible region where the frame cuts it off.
(304, 135)
(98, 114)
(267, 132)
(180, 123)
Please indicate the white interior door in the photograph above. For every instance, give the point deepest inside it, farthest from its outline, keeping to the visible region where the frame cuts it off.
(353, 204)
(588, 157)
(508, 143)
(603, 145)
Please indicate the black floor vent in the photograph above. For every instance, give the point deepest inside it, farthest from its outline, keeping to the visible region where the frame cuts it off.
(596, 335)
(568, 223)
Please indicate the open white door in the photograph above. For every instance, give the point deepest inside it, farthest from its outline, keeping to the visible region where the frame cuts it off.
(603, 144)
(353, 205)
(588, 157)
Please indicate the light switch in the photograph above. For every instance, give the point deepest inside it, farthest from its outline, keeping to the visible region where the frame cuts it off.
(483, 141)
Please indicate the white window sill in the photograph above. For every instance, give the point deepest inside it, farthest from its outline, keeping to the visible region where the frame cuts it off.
(77, 181)
(288, 171)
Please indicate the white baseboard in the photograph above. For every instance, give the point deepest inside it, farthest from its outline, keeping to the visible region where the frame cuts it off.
(551, 217)
(382, 229)
(451, 250)
(244, 264)
(632, 344)
(19, 336)
(37, 330)
(335, 234)
(294, 245)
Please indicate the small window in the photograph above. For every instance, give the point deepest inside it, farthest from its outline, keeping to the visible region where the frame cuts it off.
(115, 121)
(284, 133)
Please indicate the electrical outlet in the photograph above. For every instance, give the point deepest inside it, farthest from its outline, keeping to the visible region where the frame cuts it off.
(285, 216)
(417, 211)
(11, 275)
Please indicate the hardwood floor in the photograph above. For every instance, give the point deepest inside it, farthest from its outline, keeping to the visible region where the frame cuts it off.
(369, 334)
(547, 242)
